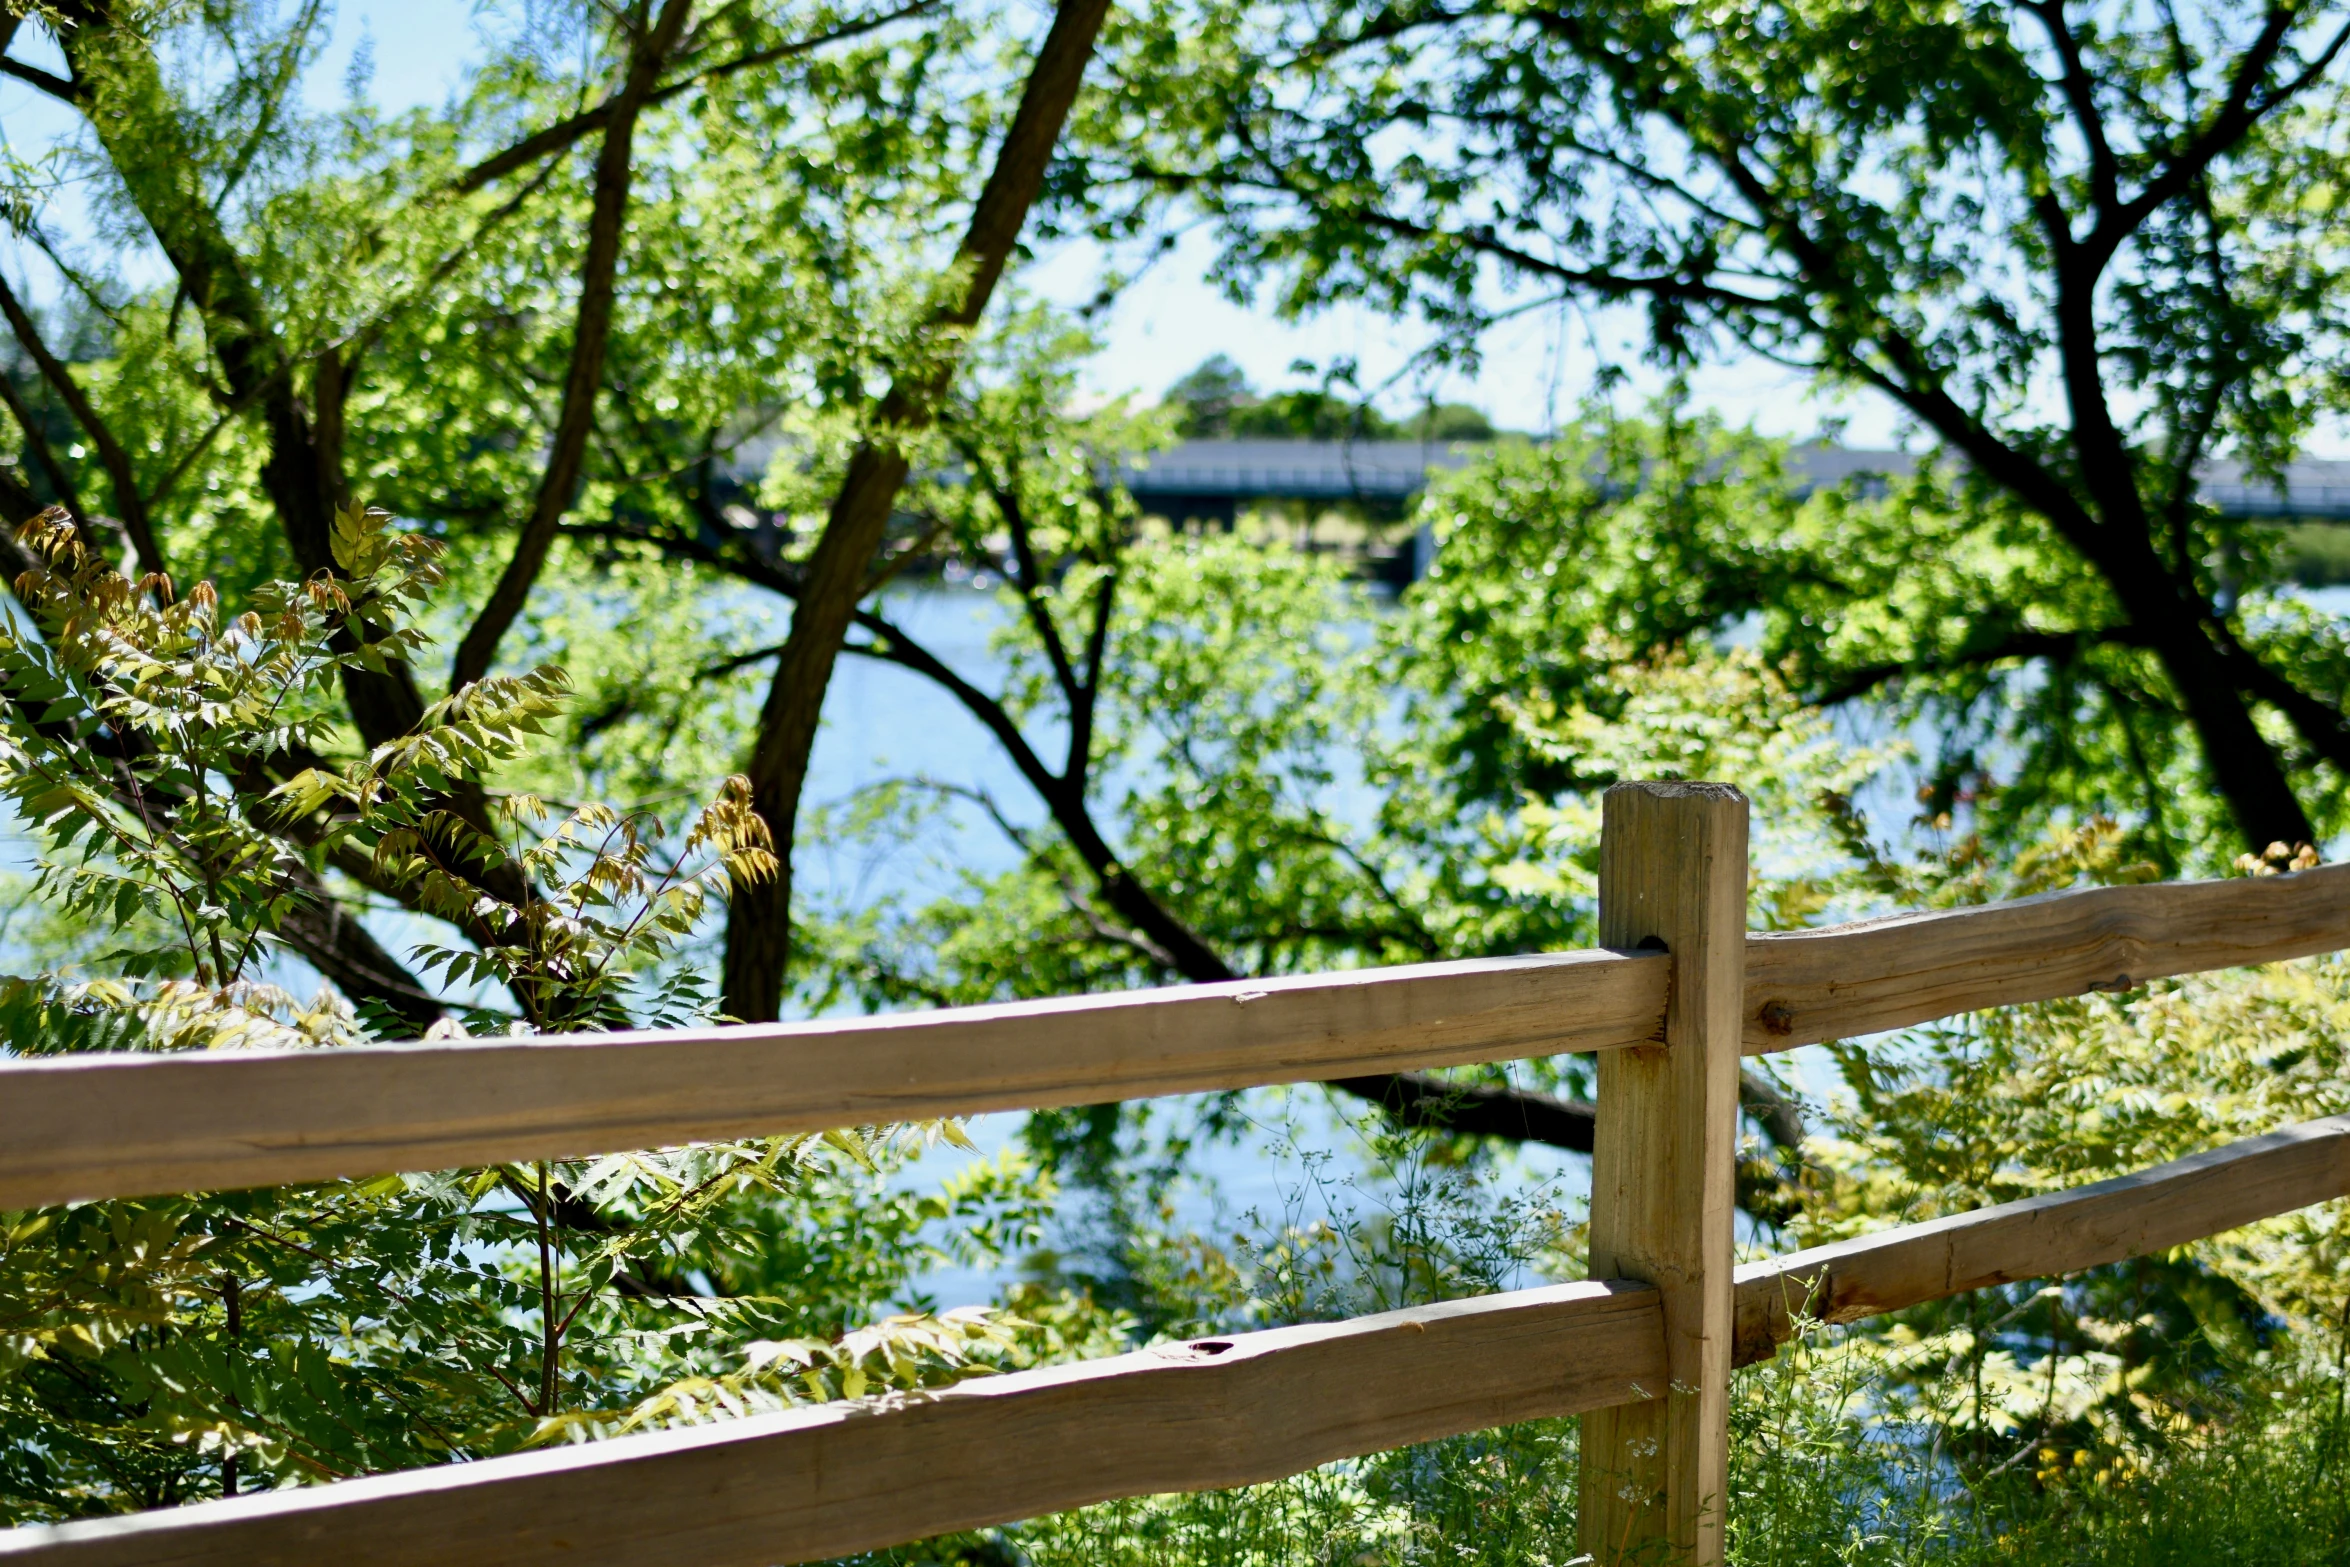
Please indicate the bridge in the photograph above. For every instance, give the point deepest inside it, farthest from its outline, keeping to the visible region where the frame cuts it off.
(1213, 481)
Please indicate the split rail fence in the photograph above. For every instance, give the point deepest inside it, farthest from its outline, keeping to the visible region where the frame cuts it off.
(1644, 1354)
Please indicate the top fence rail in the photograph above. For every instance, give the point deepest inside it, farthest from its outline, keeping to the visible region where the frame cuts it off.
(85, 1127)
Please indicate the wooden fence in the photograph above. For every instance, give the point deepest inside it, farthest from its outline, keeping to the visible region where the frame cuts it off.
(1645, 1355)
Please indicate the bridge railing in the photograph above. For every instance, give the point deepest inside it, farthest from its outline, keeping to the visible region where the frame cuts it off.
(1644, 1352)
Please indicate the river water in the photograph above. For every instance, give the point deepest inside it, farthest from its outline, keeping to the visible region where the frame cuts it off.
(882, 723)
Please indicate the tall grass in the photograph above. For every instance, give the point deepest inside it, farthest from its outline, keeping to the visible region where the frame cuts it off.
(1823, 1474)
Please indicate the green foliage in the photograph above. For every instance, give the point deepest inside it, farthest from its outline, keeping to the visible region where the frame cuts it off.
(133, 714)
(2314, 554)
(1253, 761)
(153, 1350)
(1933, 608)
(2026, 1100)
(1823, 1471)
(2085, 249)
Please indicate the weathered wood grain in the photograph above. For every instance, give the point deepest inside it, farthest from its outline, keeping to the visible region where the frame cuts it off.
(107, 1126)
(2041, 1237)
(84, 1127)
(1672, 870)
(840, 1478)
(1843, 980)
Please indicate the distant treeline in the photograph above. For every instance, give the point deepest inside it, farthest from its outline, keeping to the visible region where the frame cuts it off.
(1216, 402)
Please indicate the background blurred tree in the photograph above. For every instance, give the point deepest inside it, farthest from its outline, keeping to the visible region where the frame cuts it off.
(2085, 248)
(1215, 401)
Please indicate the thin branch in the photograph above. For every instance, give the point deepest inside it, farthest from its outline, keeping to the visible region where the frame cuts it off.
(55, 86)
(1015, 515)
(1647, 179)
(59, 480)
(1486, 240)
(1421, 937)
(367, 337)
(1079, 766)
(2005, 648)
(2080, 93)
(1016, 834)
(915, 549)
(550, 1334)
(892, 645)
(130, 505)
(2229, 123)
(202, 444)
(81, 285)
(591, 336)
(566, 133)
(291, 58)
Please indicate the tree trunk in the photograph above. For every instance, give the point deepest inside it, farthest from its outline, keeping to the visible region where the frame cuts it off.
(2174, 621)
(133, 116)
(2171, 613)
(758, 926)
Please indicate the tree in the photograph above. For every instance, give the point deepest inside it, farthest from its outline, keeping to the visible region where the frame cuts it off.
(2086, 248)
(485, 312)
(1215, 401)
(1236, 681)
(839, 572)
(1209, 395)
(582, 356)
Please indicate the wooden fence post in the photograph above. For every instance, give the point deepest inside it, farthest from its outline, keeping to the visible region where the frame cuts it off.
(1672, 872)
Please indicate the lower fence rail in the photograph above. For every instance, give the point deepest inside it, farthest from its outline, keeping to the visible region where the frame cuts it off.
(839, 1478)
(2132, 1215)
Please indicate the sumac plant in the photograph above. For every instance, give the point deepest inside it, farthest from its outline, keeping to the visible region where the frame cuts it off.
(199, 821)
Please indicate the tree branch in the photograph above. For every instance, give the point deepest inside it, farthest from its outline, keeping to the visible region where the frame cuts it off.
(1015, 515)
(1087, 697)
(1977, 652)
(2080, 93)
(591, 336)
(1418, 1099)
(758, 925)
(132, 115)
(129, 504)
(2235, 116)
(38, 444)
(55, 86)
(1519, 1115)
(566, 133)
